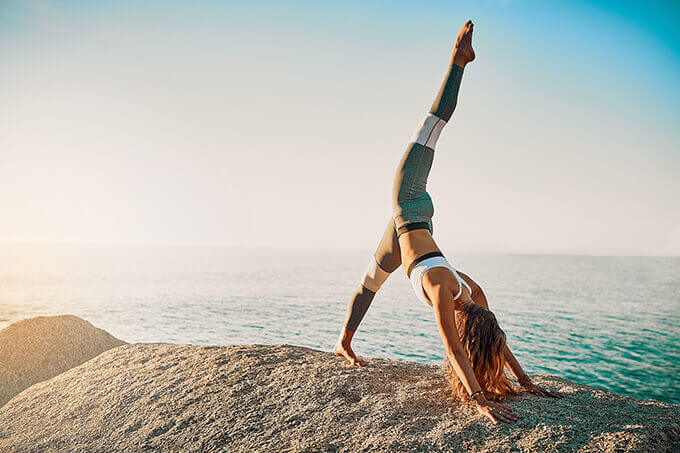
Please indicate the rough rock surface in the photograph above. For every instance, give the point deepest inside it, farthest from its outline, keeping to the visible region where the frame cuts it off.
(33, 350)
(286, 398)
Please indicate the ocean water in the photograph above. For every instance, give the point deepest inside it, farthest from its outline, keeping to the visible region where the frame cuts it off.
(611, 322)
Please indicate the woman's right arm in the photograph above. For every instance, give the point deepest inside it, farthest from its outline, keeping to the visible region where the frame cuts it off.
(443, 305)
(511, 361)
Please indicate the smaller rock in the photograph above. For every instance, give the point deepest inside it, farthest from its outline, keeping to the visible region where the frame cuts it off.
(36, 349)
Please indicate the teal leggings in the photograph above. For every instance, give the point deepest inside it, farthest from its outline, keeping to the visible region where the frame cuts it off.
(412, 205)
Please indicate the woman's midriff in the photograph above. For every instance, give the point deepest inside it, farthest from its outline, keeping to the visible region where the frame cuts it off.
(415, 244)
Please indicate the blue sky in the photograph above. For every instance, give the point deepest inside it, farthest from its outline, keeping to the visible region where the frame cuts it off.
(234, 123)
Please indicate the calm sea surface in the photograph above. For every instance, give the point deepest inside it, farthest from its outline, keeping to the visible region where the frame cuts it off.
(611, 322)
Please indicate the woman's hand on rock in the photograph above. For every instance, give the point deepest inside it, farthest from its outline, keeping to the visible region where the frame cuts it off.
(495, 411)
(540, 391)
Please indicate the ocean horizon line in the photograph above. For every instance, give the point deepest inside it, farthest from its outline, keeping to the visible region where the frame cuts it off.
(157, 245)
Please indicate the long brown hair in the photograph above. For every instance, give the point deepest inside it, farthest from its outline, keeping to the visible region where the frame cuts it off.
(484, 341)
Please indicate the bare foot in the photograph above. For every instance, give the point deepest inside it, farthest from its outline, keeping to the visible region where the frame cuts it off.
(463, 52)
(345, 350)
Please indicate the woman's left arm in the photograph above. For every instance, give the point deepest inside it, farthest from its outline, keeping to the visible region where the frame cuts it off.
(511, 361)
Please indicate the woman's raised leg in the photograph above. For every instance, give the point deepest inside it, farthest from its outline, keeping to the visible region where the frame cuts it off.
(412, 205)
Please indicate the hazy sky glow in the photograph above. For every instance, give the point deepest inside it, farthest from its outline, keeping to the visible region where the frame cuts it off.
(281, 123)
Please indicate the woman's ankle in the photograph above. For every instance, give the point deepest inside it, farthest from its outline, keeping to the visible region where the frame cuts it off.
(346, 337)
(460, 58)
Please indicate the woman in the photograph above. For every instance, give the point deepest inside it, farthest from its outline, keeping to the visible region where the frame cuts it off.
(475, 344)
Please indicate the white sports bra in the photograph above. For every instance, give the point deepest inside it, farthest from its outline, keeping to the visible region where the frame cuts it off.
(419, 269)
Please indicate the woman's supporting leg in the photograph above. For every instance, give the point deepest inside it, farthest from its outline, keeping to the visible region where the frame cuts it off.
(387, 259)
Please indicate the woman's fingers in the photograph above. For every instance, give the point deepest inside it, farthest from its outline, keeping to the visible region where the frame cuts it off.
(501, 407)
(505, 417)
(500, 417)
(554, 394)
(543, 392)
(538, 391)
(497, 412)
(503, 413)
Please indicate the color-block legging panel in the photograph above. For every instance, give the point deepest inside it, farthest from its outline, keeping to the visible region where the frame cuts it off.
(387, 259)
(412, 205)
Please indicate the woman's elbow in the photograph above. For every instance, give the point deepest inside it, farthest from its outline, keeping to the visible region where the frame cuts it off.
(458, 351)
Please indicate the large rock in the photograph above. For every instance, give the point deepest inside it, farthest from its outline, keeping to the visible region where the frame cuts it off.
(287, 398)
(36, 349)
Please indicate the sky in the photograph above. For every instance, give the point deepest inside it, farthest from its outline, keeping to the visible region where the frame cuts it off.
(261, 124)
